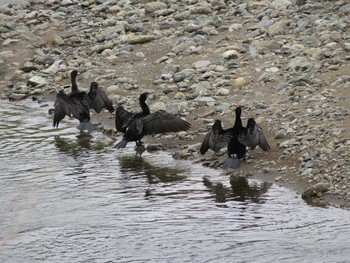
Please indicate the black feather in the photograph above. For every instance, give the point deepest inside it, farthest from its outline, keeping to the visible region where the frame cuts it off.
(254, 136)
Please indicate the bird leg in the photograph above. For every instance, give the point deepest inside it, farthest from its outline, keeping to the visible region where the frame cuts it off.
(139, 148)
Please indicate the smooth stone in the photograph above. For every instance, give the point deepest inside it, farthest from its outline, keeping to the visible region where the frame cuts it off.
(154, 6)
(184, 74)
(53, 68)
(230, 54)
(239, 83)
(17, 96)
(179, 96)
(205, 101)
(44, 60)
(299, 63)
(315, 190)
(222, 107)
(140, 39)
(109, 22)
(37, 80)
(280, 4)
(158, 106)
(278, 28)
(202, 86)
(182, 47)
(345, 9)
(222, 92)
(113, 89)
(10, 41)
(183, 15)
(265, 46)
(52, 38)
(201, 64)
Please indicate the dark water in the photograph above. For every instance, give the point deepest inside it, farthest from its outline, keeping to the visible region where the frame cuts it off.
(69, 198)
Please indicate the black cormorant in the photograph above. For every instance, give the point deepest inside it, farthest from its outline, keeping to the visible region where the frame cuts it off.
(234, 147)
(78, 103)
(218, 138)
(136, 125)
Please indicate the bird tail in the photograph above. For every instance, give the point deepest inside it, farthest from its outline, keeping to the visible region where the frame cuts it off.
(86, 126)
(121, 144)
(231, 163)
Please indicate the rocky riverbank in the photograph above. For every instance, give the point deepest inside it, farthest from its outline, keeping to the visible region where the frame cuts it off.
(286, 61)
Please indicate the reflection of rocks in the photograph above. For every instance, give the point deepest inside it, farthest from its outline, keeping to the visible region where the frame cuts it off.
(241, 190)
(315, 190)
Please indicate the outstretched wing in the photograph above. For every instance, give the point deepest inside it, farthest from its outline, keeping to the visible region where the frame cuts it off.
(161, 122)
(216, 138)
(64, 106)
(205, 146)
(98, 98)
(263, 144)
(121, 117)
(254, 136)
(220, 141)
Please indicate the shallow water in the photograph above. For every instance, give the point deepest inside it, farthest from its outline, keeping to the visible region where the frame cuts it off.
(72, 198)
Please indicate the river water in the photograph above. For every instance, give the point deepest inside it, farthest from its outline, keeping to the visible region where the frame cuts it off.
(72, 198)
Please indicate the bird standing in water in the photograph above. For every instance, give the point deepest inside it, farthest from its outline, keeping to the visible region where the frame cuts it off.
(218, 138)
(234, 147)
(78, 104)
(136, 125)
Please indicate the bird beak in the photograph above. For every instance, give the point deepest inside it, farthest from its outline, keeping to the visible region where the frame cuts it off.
(234, 106)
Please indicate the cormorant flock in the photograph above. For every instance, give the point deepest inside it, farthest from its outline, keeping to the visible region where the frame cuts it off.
(135, 126)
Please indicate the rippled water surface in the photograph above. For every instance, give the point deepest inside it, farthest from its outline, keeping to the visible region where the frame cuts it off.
(72, 198)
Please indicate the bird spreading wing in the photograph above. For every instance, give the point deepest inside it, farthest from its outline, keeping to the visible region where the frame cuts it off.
(216, 138)
(254, 136)
(122, 117)
(161, 122)
(64, 106)
(98, 99)
(137, 125)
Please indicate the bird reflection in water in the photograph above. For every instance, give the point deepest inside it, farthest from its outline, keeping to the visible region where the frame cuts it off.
(74, 151)
(134, 165)
(241, 190)
(73, 147)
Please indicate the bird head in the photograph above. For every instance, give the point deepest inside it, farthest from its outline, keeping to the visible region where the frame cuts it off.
(238, 109)
(74, 73)
(94, 85)
(251, 121)
(236, 106)
(217, 122)
(144, 96)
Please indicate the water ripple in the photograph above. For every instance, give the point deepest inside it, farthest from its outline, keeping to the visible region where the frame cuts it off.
(67, 197)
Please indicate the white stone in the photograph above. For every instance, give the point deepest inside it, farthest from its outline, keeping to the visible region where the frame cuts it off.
(230, 54)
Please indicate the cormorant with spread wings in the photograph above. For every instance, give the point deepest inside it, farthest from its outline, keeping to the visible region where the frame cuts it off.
(218, 138)
(136, 125)
(78, 104)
